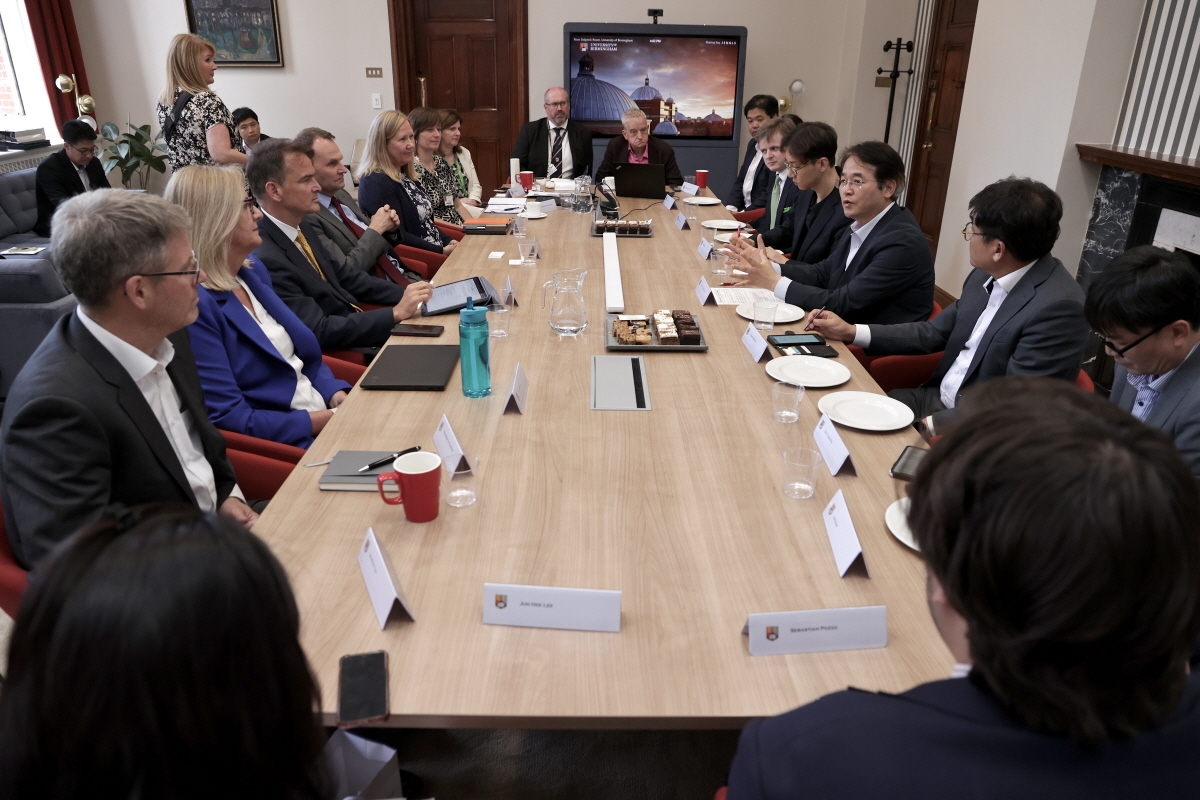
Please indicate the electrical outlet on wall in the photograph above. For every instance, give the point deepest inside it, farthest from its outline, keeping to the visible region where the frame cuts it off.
(376, 101)
(374, 72)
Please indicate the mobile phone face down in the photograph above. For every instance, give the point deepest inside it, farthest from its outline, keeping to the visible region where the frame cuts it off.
(404, 329)
(796, 339)
(906, 465)
(363, 688)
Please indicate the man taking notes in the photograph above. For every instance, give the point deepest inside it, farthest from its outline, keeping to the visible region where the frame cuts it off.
(554, 146)
(635, 145)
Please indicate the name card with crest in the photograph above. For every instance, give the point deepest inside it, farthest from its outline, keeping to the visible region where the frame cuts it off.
(816, 631)
(552, 607)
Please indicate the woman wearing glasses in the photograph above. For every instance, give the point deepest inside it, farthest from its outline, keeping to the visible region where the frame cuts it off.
(260, 366)
(71, 171)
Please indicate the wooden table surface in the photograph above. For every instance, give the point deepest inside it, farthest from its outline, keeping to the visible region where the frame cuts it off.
(679, 507)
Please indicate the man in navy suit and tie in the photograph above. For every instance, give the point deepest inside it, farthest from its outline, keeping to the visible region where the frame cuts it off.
(753, 182)
(1061, 541)
(554, 146)
(782, 196)
(1146, 304)
(815, 225)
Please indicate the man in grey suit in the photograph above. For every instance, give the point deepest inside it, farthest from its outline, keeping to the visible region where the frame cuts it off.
(359, 247)
(1146, 304)
(1021, 312)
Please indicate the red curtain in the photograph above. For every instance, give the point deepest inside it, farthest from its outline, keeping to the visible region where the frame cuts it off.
(57, 44)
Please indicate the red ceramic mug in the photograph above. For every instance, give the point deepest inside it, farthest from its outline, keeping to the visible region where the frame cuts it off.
(702, 178)
(526, 179)
(418, 477)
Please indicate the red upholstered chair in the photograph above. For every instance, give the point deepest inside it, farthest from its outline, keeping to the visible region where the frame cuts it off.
(259, 476)
(903, 372)
(263, 448)
(867, 360)
(455, 232)
(427, 262)
(344, 370)
(749, 216)
(1084, 381)
(720, 795)
(13, 579)
(351, 356)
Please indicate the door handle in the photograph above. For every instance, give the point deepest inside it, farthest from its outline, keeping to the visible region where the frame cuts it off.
(421, 81)
(927, 145)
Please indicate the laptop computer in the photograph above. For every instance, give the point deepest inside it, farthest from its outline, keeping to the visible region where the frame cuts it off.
(640, 180)
(412, 367)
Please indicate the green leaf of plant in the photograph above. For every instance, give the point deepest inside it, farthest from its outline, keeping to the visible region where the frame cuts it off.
(123, 149)
(110, 131)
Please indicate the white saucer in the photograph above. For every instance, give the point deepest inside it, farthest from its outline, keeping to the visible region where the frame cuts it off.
(808, 371)
(783, 312)
(702, 201)
(723, 224)
(896, 518)
(866, 411)
(533, 215)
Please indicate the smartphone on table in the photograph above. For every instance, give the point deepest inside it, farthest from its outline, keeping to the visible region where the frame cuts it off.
(362, 689)
(906, 465)
(802, 344)
(405, 329)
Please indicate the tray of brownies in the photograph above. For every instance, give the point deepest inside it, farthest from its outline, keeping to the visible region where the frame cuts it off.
(671, 331)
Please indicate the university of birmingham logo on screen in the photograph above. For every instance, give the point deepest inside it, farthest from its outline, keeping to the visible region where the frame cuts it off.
(501, 601)
(772, 633)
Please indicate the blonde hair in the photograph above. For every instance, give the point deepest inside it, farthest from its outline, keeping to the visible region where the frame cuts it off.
(183, 66)
(212, 197)
(375, 157)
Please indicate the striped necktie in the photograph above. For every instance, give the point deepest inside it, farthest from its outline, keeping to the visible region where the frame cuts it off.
(556, 153)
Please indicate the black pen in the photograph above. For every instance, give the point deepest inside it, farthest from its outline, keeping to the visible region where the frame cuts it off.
(392, 457)
(816, 316)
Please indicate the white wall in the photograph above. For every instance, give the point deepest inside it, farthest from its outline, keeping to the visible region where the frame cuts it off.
(1042, 76)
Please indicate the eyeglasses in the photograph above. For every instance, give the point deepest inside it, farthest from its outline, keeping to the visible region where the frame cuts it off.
(249, 203)
(560, 104)
(1120, 351)
(794, 168)
(857, 183)
(83, 151)
(195, 273)
(968, 233)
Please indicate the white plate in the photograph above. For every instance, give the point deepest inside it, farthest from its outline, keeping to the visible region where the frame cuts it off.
(783, 312)
(723, 224)
(702, 201)
(723, 238)
(809, 371)
(533, 215)
(866, 411)
(896, 518)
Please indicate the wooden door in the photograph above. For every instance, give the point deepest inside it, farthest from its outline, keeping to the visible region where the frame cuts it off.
(950, 50)
(472, 56)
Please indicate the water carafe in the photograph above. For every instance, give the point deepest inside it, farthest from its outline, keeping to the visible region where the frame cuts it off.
(568, 313)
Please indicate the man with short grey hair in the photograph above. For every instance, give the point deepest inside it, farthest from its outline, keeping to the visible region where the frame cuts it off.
(109, 410)
(637, 146)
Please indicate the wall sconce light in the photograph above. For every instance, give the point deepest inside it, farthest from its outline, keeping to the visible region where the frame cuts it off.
(795, 90)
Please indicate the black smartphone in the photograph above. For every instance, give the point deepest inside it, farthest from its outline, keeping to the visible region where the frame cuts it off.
(795, 339)
(363, 689)
(906, 465)
(404, 329)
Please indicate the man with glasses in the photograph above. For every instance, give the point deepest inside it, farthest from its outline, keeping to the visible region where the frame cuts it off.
(109, 410)
(1146, 305)
(71, 171)
(1020, 312)
(810, 232)
(554, 146)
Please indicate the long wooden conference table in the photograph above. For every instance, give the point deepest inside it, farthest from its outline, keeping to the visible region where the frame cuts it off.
(679, 507)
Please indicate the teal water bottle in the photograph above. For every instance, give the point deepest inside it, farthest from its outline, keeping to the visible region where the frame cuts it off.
(473, 351)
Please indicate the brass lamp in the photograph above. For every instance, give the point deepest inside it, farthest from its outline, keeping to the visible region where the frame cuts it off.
(795, 89)
(84, 102)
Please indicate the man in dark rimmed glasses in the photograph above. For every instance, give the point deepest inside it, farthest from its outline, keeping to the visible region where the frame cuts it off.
(1146, 305)
(73, 170)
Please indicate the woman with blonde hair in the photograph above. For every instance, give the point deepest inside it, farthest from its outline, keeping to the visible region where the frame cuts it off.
(197, 126)
(260, 366)
(386, 177)
(462, 168)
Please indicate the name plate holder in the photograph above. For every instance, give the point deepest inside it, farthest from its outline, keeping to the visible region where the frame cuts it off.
(705, 249)
(843, 539)
(449, 449)
(833, 450)
(704, 292)
(553, 607)
(681, 222)
(690, 188)
(816, 631)
(508, 296)
(669, 202)
(755, 344)
(383, 587)
(515, 401)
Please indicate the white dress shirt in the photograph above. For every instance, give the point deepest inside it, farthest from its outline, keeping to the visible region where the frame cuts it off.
(748, 183)
(306, 397)
(858, 236)
(288, 230)
(568, 165)
(83, 176)
(149, 372)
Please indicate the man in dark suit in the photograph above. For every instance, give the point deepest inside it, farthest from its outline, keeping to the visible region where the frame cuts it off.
(326, 295)
(109, 409)
(1020, 313)
(1146, 304)
(881, 271)
(1061, 541)
(554, 146)
(637, 146)
(816, 224)
(71, 171)
(783, 195)
(344, 231)
(753, 182)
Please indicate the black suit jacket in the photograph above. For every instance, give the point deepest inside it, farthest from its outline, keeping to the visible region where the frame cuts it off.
(57, 181)
(533, 148)
(377, 190)
(1039, 329)
(760, 191)
(79, 436)
(790, 198)
(327, 306)
(814, 242)
(617, 152)
(890, 279)
(949, 739)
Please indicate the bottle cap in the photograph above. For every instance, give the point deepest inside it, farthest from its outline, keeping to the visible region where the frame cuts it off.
(472, 314)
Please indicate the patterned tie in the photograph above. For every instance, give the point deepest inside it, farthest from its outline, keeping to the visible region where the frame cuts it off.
(556, 153)
(312, 259)
(386, 267)
(775, 202)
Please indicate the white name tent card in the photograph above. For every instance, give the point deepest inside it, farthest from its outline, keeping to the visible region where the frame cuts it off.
(704, 291)
(705, 249)
(552, 607)
(833, 449)
(669, 202)
(508, 296)
(516, 190)
(816, 631)
(383, 587)
(515, 401)
(448, 447)
(681, 222)
(842, 536)
(755, 344)
(690, 188)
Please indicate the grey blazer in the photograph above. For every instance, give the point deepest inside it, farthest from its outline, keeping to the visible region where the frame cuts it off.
(1039, 329)
(1176, 412)
(338, 240)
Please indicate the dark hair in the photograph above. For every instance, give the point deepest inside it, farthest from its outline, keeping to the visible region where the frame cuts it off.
(75, 130)
(1144, 288)
(157, 655)
(1067, 535)
(880, 157)
(242, 114)
(423, 119)
(306, 137)
(795, 119)
(812, 141)
(765, 102)
(451, 116)
(1020, 212)
(267, 163)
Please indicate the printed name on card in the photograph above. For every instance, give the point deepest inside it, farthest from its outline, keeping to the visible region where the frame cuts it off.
(552, 607)
(755, 344)
(843, 539)
(817, 630)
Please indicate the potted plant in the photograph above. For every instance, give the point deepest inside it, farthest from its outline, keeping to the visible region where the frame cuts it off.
(135, 153)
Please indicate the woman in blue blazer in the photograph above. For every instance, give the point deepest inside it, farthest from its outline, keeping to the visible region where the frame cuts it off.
(260, 366)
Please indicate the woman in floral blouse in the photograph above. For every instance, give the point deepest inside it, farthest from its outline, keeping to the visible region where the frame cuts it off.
(204, 132)
(430, 169)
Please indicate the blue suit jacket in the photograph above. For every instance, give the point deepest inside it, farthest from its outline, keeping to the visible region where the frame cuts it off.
(248, 387)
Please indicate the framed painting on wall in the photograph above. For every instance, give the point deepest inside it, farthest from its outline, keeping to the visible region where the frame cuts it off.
(245, 32)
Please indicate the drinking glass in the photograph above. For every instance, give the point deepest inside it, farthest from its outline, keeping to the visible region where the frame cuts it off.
(462, 487)
(764, 315)
(519, 227)
(800, 472)
(718, 262)
(527, 250)
(785, 406)
(497, 319)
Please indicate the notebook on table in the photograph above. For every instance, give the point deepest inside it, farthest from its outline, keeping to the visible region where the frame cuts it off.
(412, 367)
(342, 474)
